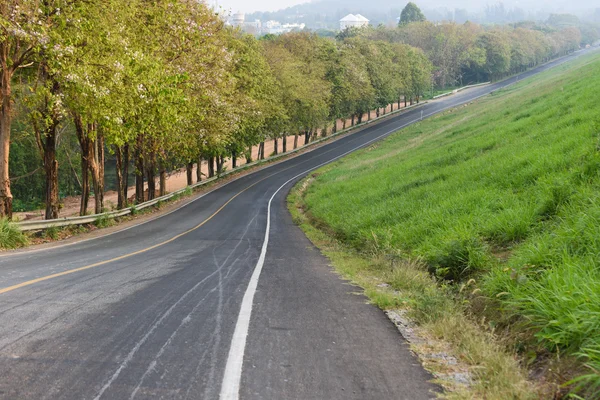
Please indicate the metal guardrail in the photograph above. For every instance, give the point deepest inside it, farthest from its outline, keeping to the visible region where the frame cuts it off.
(460, 90)
(90, 219)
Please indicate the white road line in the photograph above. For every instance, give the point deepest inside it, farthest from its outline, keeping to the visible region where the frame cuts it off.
(17, 253)
(230, 387)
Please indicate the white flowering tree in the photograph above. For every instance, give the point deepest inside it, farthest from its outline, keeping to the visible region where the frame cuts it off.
(22, 33)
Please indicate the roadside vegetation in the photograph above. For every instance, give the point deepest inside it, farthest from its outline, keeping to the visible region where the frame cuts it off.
(11, 236)
(122, 92)
(498, 203)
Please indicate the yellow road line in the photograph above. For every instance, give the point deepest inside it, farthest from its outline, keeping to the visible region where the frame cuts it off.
(72, 271)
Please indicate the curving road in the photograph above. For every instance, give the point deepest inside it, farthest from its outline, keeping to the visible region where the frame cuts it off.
(223, 298)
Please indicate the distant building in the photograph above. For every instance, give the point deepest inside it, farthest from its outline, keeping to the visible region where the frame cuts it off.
(277, 28)
(353, 21)
(238, 19)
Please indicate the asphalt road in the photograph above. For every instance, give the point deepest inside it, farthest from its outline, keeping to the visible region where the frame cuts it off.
(223, 298)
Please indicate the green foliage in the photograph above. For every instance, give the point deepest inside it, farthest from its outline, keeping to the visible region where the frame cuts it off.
(104, 221)
(171, 84)
(411, 13)
(11, 236)
(505, 191)
(52, 232)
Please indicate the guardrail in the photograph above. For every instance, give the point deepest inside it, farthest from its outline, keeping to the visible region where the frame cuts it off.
(90, 219)
(460, 90)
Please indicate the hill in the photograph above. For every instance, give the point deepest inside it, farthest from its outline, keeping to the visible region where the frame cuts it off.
(501, 197)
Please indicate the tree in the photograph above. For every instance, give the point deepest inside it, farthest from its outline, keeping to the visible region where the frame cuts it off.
(22, 31)
(298, 62)
(497, 49)
(257, 96)
(352, 91)
(563, 20)
(411, 13)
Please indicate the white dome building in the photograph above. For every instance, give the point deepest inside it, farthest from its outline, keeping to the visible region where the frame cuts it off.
(353, 21)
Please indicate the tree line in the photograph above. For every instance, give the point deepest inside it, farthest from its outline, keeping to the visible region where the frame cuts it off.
(160, 85)
(469, 52)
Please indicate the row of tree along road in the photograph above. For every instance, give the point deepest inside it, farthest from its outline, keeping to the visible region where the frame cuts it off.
(156, 86)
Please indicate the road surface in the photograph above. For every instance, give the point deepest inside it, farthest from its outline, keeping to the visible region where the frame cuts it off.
(223, 298)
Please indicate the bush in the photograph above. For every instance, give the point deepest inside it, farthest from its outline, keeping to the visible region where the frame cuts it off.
(11, 236)
(52, 232)
(104, 221)
(458, 258)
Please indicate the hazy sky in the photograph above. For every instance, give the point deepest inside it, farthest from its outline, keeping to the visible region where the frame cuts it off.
(247, 6)
(257, 5)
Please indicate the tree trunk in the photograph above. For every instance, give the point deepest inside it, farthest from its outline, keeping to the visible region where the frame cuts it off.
(344, 123)
(96, 163)
(51, 169)
(150, 173)
(261, 151)
(211, 166)
(284, 140)
(220, 162)
(139, 169)
(199, 170)
(5, 122)
(47, 146)
(85, 186)
(352, 123)
(233, 159)
(163, 181)
(369, 115)
(125, 175)
(84, 145)
(249, 155)
(296, 140)
(334, 126)
(360, 117)
(275, 146)
(189, 169)
(119, 172)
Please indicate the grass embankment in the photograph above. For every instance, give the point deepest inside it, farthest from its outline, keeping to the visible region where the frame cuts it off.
(500, 201)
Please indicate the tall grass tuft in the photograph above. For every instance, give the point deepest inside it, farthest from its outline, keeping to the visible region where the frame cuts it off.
(11, 236)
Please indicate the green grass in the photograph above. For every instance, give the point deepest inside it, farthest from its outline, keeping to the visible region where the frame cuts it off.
(405, 284)
(505, 191)
(52, 232)
(104, 221)
(11, 236)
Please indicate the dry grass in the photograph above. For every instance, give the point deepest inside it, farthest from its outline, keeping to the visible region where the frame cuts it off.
(440, 320)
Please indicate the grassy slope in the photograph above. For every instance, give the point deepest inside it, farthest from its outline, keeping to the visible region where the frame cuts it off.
(505, 191)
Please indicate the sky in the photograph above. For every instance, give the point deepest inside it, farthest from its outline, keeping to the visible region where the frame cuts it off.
(248, 6)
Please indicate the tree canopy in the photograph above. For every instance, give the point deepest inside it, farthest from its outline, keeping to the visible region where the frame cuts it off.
(411, 13)
(112, 90)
